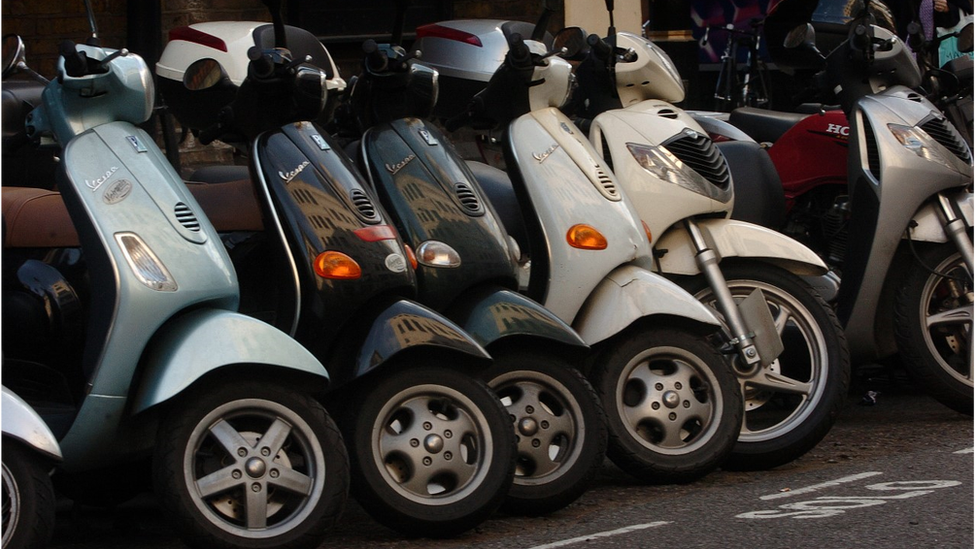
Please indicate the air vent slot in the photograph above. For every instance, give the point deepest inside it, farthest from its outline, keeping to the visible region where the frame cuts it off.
(699, 153)
(609, 187)
(363, 204)
(186, 217)
(912, 96)
(468, 199)
(668, 113)
(942, 131)
(874, 157)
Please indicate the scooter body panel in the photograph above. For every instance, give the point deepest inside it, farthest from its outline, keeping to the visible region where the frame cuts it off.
(888, 187)
(201, 341)
(431, 195)
(812, 153)
(732, 238)
(123, 187)
(927, 224)
(630, 293)
(491, 313)
(561, 182)
(21, 422)
(318, 202)
(660, 202)
(403, 325)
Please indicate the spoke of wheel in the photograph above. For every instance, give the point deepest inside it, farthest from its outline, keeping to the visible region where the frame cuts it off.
(781, 384)
(672, 435)
(636, 414)
(217, 482)
(959, 315)
(274, 438)
(257, 507)
(702, 410)
(401, 441)
(293, 481)
(529, 397)
(228, 437)
(419, 481)
(562, 424)
(783, 317)
(539, 455)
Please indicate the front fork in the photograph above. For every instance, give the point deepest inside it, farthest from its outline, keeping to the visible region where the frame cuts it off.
(956, 230)
(707, 260)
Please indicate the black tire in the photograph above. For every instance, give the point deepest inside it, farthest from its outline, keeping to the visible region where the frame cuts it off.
(432, 451)
(215, 434)
(783, 421)
(559, 426)
(28, 498)
(938, 356)
(672, 403)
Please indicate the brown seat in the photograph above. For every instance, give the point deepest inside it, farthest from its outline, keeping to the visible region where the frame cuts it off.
(38, 218)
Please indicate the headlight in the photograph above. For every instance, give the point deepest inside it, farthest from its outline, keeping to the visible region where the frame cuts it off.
(920, 143)
(660, 163)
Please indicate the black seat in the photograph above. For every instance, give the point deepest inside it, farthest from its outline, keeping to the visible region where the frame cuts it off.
(763, 125)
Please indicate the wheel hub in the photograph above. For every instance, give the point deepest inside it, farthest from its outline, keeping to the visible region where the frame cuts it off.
(434, 443)
(671, 399)
(528, 427)
(255, 467)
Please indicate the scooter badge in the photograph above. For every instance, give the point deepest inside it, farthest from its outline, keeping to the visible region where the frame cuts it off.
(399, 165)
(541, 157)
(428, 138)
(134, 141)
(97, 182)
(287, 177)
(396, 263)
(321, 142)
(117, 191)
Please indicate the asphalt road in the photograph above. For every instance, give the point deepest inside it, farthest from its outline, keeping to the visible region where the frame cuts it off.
(898, 474)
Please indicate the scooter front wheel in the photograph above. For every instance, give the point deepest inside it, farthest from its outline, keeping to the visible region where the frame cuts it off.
(28, 499)
(791, 404)
(248, 464)
(673, 406)
(559, 426)
(934, 325)
(432, 451)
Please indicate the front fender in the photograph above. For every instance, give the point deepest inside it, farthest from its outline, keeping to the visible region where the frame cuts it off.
(406, 324)
(630, 293)
(493, 313)
(731, 238)
(928, 225)
(21, 422)
(202, 341)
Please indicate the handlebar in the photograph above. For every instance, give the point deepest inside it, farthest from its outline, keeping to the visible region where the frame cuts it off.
(376, 60)
(75, 62)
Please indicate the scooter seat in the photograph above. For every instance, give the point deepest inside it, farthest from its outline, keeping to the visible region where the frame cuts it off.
(763, 125)
(36, 218)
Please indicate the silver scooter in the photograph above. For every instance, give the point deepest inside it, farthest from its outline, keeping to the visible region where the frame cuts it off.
(143, 354)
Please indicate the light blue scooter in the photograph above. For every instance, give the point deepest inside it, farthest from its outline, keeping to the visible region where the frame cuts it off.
(242, 453)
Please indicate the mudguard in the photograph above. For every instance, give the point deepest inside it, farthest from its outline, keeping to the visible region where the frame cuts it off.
(731, 238)
(406, 324)
(630, 293)
(21, 422)
(927, 221)
(493, 313)
(202, 341)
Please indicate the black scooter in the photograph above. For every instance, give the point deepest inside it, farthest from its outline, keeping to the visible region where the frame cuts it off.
(467, 268)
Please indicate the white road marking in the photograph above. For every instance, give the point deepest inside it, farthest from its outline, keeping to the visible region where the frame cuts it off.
(607, 534)
(816, 487)
(966, 451)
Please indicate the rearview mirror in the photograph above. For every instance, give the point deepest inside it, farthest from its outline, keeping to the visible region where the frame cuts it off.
(13, 53)
(574, 40)
(203, 74)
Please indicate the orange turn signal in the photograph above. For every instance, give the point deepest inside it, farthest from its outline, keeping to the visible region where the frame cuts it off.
(585, 237)
(337, 265)
(647, 231)
(411, 257)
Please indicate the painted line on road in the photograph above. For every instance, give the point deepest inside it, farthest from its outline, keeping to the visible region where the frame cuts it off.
(598, 535)
(816, 487)
(966, 451)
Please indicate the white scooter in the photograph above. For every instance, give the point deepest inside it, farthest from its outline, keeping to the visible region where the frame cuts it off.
(793, 368)
(672, 404)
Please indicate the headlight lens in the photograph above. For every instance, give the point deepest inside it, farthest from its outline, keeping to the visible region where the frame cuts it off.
(660, 163)
(920, 143)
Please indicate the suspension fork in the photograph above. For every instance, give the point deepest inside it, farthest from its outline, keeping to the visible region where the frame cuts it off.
(707, 260)
(956, 230)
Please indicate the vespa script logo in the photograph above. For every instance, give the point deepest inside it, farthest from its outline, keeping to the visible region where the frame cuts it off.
(94, 184)
(287, 177)
(541, 157)
(400, 165)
